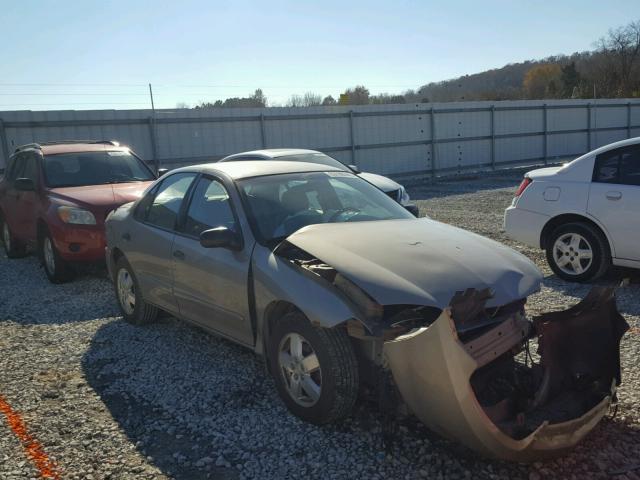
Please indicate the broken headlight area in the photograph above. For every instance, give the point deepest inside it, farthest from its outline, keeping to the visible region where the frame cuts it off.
(471, 374)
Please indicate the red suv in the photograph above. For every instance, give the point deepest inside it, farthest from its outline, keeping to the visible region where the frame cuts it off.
(55, 197)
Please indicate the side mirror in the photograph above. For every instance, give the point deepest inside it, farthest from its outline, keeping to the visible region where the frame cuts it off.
(413, 209)
(24, 185)
(221, 237)
(354, 168)
(162, 171)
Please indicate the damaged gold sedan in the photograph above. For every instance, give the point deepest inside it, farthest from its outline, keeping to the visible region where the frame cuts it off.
(347, 294)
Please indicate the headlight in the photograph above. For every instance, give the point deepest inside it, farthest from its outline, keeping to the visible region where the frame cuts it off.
(403, 196)
(76, 216)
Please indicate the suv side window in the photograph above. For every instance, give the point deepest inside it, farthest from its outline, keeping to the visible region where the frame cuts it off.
(620, 166)
(210, 207)
(163, 211)
(30, 169)
(16, 167)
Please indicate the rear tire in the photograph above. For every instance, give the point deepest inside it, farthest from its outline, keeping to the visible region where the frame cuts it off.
(12, 246)
(578, 252)
(56, 269)
(133, 307)
(320, 383)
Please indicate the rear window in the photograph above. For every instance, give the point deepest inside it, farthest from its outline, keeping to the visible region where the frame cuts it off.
(94, 168)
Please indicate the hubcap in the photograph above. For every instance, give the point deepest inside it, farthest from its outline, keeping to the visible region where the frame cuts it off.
(126, 291)
(49, 259)
(6, 237)
(572, 253)
(300, 369)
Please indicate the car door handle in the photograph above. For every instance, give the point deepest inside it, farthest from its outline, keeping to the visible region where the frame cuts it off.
(179, 254)
(614, 195)
(126, 236)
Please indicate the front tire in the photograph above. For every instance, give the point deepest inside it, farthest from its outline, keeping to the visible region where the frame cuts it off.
(133, 307)
(12, 246)
(578, 252)
(315, 369)
(56, 269)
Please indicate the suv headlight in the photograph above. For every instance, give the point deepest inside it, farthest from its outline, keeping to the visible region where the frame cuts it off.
(403, 196)
(76, 216)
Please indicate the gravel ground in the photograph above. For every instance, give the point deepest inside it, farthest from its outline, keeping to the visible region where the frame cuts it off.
(109, 400)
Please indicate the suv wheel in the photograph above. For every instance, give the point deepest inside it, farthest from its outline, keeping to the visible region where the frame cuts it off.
(133, 307)
(578, 252)
(12, 247)
(57, 270)
(314, 368)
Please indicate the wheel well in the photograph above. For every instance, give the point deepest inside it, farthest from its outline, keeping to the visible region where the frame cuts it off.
(274, 312)
(40, 229)
(116, 255)
(564, 219)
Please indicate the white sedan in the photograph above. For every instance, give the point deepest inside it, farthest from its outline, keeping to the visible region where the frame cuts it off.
(585, 214)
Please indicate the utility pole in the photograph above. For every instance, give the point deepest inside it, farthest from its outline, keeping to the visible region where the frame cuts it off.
(153, 109)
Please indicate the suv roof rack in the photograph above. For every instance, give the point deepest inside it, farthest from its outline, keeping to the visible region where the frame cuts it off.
(39, 145)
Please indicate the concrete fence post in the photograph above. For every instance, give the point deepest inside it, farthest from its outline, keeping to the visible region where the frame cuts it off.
(434, 149)
(154, 146)
(545, 130)
(263, 131)
(589, 140)
(352, 139)
(493, 137)
(628, 119)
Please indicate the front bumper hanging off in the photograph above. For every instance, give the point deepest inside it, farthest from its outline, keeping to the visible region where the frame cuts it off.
(443, 375)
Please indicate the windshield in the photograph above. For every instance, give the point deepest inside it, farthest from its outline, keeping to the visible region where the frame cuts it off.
(278, 205)
(94, 168)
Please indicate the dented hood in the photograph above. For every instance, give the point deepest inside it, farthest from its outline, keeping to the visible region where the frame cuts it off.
(419, 261)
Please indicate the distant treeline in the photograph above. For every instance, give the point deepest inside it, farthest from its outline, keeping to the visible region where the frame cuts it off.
(611, 70)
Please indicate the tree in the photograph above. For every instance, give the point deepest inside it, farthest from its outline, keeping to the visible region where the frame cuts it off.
(621, 50)
(256, 100)
(309, 99)
(570, 78)
(182, 105)
(542, 81)
(384, 98)
(329, 100)
(358, 95)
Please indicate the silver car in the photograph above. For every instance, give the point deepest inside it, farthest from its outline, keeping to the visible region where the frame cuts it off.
(392, 188)
(342, 291)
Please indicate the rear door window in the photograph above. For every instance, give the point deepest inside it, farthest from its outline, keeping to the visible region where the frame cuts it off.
(620, 166)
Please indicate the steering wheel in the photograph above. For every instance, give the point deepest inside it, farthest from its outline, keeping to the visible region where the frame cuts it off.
(342, 211)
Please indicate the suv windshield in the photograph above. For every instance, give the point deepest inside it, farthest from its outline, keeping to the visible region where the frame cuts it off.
(278, 205)
(94, 168)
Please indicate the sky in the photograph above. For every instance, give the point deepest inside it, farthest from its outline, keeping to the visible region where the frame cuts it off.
(89, 54)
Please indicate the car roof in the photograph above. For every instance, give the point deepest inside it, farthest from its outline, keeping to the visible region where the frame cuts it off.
(72, 146)
(257, 168)
(79, 147)
(269, 153)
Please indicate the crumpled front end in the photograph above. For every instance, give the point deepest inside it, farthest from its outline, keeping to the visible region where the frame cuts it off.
(472, 378)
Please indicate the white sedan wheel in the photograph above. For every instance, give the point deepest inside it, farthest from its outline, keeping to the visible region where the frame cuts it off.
(572, 253)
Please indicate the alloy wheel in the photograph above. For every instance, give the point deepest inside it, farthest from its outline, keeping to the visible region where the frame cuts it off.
(572, 253)
(126, 291)
(300, 369)
(6, 236)
(49, 257)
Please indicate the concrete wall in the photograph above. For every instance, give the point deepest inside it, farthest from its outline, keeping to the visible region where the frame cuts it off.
(398, 140)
